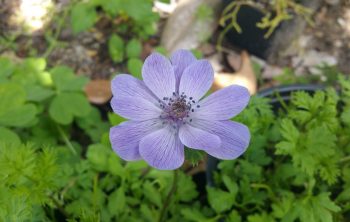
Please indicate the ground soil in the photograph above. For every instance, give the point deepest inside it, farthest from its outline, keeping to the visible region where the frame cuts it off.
(331, 32)
(87, 53)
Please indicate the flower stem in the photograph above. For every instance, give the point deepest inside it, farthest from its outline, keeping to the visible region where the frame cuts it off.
(168, 197)
(66, 140)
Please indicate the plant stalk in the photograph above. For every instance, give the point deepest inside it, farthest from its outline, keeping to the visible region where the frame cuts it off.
(166, 204)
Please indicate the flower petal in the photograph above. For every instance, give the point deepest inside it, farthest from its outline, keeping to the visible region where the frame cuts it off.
(234, 137)
(158, 75)
(181, 59)
(125, 138)
(126, 85)
(163, 149)
(198, 139)
(223, 104)
(135, 108)
(196, 79)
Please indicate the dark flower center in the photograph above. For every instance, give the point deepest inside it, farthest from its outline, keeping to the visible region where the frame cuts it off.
(177, 109)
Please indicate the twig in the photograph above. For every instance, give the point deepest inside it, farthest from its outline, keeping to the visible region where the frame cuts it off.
(168, 198)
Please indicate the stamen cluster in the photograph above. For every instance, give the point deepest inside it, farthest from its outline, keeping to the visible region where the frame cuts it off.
(177, 109)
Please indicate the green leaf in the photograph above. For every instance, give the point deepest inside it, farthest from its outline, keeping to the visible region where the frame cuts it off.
(115, 119)
(8, 136)
(220, 200)
(13, 109)
(345, 116)
(133, 48)
(187, 189)
(152, 194)
(14, 206)
(20, 117)
(116, 48)
(112, 7)
(83, 17)
(114, 165)
(117, 201)
(147, 213)
(38, 93)
(291, 135)
(93, 125)
(65, 79)
(230, 184)
(65, 106)
(193, 215)
(264, 217)
(161, 50)
(318, 208)
(251, 170)
(197, 53)
(234, 217)
(135, 67)
(12, 96)
(138, 10)
(7, 67)
(98, 154)
(282, 208)
(194, 156)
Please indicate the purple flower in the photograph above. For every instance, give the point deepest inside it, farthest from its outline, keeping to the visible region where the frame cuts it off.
(166, 113)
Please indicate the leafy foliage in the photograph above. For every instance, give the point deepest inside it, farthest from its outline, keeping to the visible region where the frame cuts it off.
(28, 178)
(83, 17)
(56, 161)
(137, 20)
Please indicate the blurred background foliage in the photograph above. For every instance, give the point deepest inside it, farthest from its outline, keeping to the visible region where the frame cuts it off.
(55, 157)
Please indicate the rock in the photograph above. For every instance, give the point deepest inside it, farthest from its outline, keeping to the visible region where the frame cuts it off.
(310, 60)
(270, 71)
(186, 29)
(332, 2)
(287, 36)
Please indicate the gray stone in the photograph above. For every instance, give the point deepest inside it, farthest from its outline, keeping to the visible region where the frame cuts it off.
(185, 29)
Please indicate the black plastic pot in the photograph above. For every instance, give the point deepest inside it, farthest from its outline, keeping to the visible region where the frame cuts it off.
(253, 38)
(284, 93)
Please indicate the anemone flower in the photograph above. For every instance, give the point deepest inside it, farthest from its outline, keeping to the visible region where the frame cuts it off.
(167, 112)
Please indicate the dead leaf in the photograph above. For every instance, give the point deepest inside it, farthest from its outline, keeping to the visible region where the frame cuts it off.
(234, 60)
(244, 76)
(98, 91)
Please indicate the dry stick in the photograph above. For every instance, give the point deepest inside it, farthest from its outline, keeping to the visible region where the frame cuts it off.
(168, 198)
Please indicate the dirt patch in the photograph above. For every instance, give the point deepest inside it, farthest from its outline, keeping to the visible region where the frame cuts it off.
(331, 32)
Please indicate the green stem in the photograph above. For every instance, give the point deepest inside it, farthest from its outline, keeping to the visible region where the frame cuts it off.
(66, 140)
(54, 201)
(59, 207)
(345, 159)
(168, 198)
(53, 41)
(266, 187)
(280, 99)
